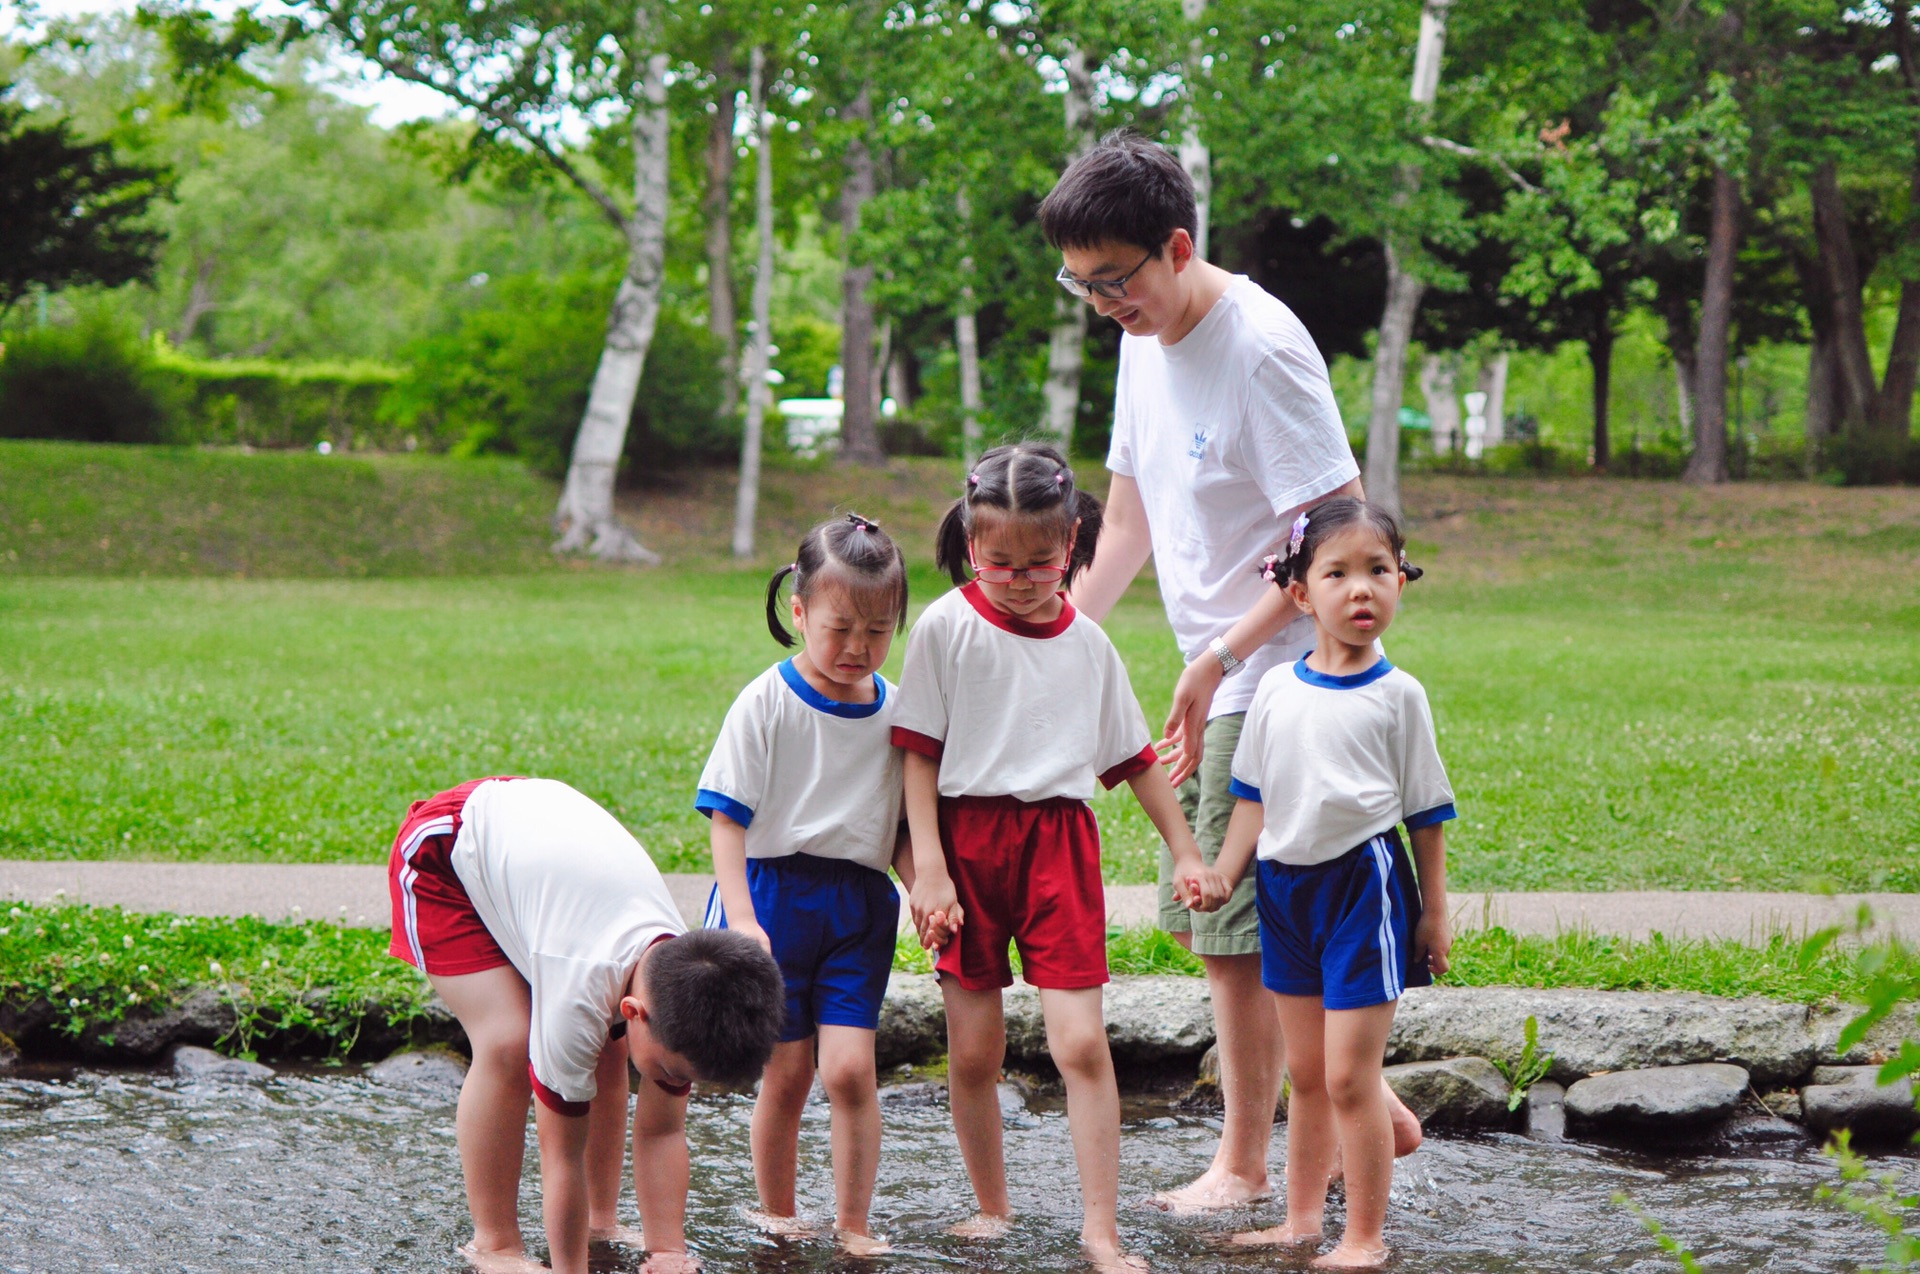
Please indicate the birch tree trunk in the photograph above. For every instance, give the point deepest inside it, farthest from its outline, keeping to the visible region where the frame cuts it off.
(1403, 289)
(966, 342)
(747, 499)
(1439, 382)
(723, 318)
(1708, 463)
(1493, 383)
(1194, 155)
(585, 517)
(1067, 343)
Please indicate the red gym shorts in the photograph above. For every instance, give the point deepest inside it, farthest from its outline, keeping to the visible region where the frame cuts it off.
(435, 928)
(1028, 872)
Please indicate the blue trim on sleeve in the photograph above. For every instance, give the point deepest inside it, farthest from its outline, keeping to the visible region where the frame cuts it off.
(709, 802)
(832, 707)
(1352, 681)
(1245, 791)
(1427, 818)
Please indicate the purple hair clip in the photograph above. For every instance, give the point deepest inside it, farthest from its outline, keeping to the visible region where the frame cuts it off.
(1299, 534)
(1270, 567)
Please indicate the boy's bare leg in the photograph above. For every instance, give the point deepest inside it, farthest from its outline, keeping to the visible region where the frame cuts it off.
(1311, 1135)
(607, 1148)
(494, 1009)
(847, 1070)
(1356, 1042)
(1252, 1059)
(1077, 1040)
(976, 1046)
(784, 1086)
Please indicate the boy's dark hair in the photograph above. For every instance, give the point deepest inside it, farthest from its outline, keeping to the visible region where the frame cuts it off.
(1330, 518)
(1126, 189)
(716, 998)
(853, 550)
(1027, 480)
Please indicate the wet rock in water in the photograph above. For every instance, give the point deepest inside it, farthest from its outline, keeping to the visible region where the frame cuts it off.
(1205, 1093)
(1852, 1097)
(1592, 1031)
(199, 1065)
(434, 1068)
(919, 1093)
(1013, 1107)
(1658, 1099)
(1545, 1111)
(200, 1019)
(1784, 1104)
(913, 1021)
(1760, 1126)
(1460, 1092)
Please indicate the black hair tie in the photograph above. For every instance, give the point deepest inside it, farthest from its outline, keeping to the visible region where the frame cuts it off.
(863, 524)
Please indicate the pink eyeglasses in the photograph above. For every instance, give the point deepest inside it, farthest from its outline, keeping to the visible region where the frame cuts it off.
(1008, 574)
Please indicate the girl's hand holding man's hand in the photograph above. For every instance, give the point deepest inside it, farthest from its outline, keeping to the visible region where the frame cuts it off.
(1203, 889)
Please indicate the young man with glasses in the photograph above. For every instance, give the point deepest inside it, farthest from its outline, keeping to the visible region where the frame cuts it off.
(1225, 428)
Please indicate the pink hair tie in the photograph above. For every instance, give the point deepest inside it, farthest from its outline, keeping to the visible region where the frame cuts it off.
(973, 479)
(1270, 567)
(1060, 478)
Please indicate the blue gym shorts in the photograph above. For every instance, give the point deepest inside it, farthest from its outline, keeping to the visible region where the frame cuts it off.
(832, 924)
(1341, 929)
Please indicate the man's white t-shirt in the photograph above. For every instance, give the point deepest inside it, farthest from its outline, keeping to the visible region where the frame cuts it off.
(573, 901)
(1226, 433)
(1012, 708)
(805, 774)
(1336, 761)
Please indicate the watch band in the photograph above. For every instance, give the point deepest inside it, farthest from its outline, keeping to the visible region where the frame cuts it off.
(1230, 663)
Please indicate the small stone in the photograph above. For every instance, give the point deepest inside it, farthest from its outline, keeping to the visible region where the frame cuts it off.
(907, 1096)
(1460, 1092)
(199, 1065)
(423, 1068)
(1874, 1112)
(1784, 1104)
(1546, 1111)
(1759, 1127)
(1658, 1099)
(1013, 1107)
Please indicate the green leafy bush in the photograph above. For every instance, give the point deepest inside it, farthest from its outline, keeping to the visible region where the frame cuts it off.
(260, 403)
(93, 381)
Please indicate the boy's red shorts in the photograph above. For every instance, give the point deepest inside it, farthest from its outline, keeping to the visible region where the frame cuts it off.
(435, 927)
(1027, 872)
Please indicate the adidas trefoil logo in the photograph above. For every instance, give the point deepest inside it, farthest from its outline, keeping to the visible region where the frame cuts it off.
(1199, 448)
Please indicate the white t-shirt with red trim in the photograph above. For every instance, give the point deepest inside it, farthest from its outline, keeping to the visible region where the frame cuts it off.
(573, 901)
(1227, 432)
(805, 774)
(1012, 708)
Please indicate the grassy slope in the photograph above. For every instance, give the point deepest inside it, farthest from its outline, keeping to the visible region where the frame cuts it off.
(1638, 685)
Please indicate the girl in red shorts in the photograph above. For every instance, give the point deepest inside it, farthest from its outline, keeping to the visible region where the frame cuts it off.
(1012, 706)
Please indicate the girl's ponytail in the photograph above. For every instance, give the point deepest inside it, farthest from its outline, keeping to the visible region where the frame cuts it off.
(950, 542)
(774, 626)
(1087, 509)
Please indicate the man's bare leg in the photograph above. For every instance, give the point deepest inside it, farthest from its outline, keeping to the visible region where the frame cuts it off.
(1252, 1059)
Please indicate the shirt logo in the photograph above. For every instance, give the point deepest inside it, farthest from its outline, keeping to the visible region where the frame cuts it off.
(1199, 448)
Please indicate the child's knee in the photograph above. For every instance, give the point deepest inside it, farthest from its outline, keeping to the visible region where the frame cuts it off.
(1354, 1088)
(1080, 1049)
(848, 1079)
(972, 1059)
(503, 1055)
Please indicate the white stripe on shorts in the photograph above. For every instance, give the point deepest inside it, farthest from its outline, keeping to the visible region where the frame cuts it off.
(410, 910)
(1389, 947)
(716, 917)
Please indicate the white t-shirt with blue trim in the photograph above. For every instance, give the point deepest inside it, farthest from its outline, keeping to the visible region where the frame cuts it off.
(805, 774)
(1336, 761)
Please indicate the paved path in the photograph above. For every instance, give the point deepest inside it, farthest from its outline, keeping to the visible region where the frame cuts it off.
(358, 894)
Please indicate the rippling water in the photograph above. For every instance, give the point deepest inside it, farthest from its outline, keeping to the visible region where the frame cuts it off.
(129, 1171)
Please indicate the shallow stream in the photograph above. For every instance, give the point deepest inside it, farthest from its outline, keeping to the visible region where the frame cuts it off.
(108, 1171)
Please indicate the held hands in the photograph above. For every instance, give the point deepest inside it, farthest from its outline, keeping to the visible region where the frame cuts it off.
(1187, 719)
(1433, 940)
(936, 910)
(1199, 887)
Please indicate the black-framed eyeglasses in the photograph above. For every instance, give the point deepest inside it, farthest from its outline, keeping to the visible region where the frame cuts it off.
(1112, 289)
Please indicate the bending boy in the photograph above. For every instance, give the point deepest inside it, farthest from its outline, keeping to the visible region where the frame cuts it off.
(545, 927)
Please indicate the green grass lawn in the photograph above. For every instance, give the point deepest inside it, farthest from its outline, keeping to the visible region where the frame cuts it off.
(1637, 685)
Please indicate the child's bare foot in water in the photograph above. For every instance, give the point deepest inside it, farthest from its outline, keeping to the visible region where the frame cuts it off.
(671, 1263)
(1213, 1190)
(1352, 1257)
(1277, 1236)
(981, 1225)
(1104, 1255)
(624, 1235)
(856, 1244)
(499, 1262)
(780, 1227)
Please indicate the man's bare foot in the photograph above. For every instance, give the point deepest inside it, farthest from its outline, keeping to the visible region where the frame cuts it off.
(499, 1262)
(1104, 1255)
(1352, 1257)
(1276, 1236)
(1211, 1191)
(780, 1227)
(671, 1263)
(624, 1235)
(856, 1244)
(981, 1225)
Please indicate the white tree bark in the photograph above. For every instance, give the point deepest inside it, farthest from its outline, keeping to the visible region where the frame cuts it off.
(1067, 344)
(1493, 383)
(585, 517)
(1403, 289)
(1195, 157)
(966, 341)
(747, 499)
(1439, 381)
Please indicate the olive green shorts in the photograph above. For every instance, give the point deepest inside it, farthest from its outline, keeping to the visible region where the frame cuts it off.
(1235, 928)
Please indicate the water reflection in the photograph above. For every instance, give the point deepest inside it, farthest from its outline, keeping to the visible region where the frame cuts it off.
(106, 1171)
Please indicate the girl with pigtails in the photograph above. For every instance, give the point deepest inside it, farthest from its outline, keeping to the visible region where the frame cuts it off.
(804, 792)
(1013, 706)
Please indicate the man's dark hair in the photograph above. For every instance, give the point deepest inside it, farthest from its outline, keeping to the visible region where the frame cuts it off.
(717, 999)
(1127, 189)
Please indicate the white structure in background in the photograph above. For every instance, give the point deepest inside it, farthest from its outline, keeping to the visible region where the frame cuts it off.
(1476, 428)
(813, 424)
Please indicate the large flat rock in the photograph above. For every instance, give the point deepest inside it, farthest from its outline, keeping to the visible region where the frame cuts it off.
(1852, 1097)
(1150, 1021)
(1460, 1092)
(1591, 1031)
(1661, 1099)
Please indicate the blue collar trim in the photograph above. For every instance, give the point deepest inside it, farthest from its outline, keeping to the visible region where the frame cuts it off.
(1352, 681)
(832, 707)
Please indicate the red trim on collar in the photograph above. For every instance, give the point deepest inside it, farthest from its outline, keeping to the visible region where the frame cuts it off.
(1139, 763)
(914, 741)
(1013, 624)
